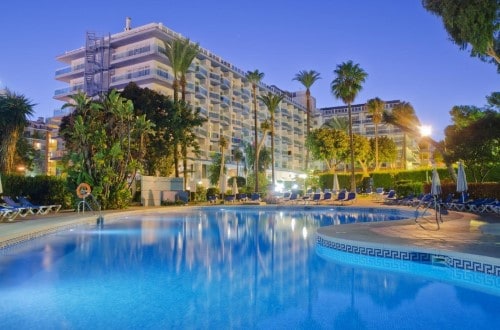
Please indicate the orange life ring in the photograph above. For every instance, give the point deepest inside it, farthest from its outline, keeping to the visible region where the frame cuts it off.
(83, 190)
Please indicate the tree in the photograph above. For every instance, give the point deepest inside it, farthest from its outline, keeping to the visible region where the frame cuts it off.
(362, 152)
(272, 101)
(387, 150)
(340, 123)
(477, 143)
(471, 23)
(180, 53)
(329, 145)
(404, 117)
(346, 85)
(255, 77)
(103, 140)
(307, 78)
(158, 109)
(238, 157)
(222, 146)
(376, 109)
(15, 109)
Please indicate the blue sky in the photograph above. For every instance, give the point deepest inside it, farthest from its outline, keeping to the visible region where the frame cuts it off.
(403, 48)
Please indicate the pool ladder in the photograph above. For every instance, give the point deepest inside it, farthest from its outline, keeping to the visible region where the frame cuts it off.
(84, 203)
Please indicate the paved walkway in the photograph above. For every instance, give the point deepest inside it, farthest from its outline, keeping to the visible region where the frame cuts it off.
(460, 232)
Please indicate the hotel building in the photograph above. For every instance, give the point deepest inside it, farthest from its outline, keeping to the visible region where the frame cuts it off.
(216, 87)
(362, 124)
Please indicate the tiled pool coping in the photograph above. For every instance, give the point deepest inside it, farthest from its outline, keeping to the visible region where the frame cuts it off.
(464, 261)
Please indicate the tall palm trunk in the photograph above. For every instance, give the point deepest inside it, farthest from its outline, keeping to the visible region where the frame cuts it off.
(256, 160)
(376, 147)
(351, 143)
(308, 124)
(272, 152)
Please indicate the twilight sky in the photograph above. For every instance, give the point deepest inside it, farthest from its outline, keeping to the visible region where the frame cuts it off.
(403, 48)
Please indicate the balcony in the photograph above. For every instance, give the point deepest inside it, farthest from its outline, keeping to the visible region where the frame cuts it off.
(200, 92)
(214, 79)
(68, 91)
(246, 94)
(70, 72)
(200, 72)
(214, 116)
(225, 120)
(226, 102)
(215, 97)
(214, 137)
(201, 132)
(202, 111)
(225, 83)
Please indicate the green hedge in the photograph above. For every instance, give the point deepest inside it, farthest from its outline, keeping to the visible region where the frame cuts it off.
(41, 189)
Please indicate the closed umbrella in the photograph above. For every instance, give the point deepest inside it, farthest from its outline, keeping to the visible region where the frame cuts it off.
(461, 180)
(436, 183)
(1, 188)
(222, 184)
(436, 191)
(335, 183)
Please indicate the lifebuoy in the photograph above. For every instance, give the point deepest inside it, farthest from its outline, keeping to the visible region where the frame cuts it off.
(83, 190)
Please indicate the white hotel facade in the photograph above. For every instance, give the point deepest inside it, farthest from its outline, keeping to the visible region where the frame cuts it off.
(218, 88)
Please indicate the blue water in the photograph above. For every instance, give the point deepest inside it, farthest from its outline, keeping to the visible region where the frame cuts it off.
(221, 268)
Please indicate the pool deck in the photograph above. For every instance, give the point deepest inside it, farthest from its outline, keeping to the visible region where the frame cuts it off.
(462, 232)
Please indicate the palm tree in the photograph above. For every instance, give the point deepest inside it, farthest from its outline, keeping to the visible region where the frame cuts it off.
(338, 123)
(255, 77)
(272, 101)
(346, 86)
(222, 145)
(307, 78)
(376, 109)
(238, 157)
(403, 116)
(180, 53)
(14, 112)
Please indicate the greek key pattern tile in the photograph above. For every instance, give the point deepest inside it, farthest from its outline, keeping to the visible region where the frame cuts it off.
(414, 256)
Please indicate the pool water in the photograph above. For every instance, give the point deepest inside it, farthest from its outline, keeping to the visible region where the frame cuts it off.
(241, 267)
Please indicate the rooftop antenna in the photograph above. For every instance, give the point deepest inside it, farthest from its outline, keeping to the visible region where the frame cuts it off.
(128, 20)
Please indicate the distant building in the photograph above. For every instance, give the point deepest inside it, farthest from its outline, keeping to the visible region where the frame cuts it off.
(218, 88)
(39, 135)
(362, 124)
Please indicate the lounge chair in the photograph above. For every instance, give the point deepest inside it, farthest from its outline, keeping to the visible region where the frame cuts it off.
(286, 196)
(293, 198)
(8, 213)
(341, 196)
(23, 211)
(316, 198)
(42, 209)
(327, 197)
(241, 197)
(478, 205)
(229, 198)
(460, 203)
(423, 201)
(351, 198)
(255, 197)
(212, 199)
(391, 197)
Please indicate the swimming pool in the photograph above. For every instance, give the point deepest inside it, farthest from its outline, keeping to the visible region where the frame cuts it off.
(231, 267)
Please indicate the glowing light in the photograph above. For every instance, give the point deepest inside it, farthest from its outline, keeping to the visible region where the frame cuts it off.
(425, 130)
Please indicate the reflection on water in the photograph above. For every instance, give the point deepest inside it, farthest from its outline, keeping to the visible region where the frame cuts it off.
(226, 267)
